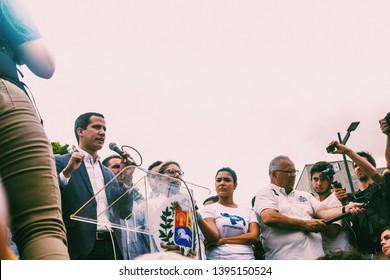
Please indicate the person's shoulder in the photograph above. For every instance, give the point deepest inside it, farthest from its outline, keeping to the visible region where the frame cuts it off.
(59, 157)
(267, 188)
(209, 208)
(301, 192)
(332, 201)
(105, 168)
(304, 196)
(386, 177)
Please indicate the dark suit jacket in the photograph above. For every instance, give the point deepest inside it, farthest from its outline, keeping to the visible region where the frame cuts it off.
(81, 235)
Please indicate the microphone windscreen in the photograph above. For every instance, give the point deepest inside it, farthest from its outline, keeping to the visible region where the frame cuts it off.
(112, 146)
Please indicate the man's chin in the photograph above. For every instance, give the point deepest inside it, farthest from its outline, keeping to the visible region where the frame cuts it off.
(363, 178)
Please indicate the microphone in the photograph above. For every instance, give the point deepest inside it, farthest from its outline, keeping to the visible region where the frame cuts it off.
(116, 149)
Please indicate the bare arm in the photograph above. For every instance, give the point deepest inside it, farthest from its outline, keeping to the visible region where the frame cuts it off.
(249, 238)
(324, 212)
(37, 58)
(273, 218)
(385, 127)
(370, 170)
(209, 229)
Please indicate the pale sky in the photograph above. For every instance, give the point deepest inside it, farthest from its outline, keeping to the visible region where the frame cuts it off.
(218, 83)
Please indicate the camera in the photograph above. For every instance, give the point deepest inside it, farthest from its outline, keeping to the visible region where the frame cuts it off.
(337, 185)
(387, 118)
(330, 171)
(330, 149)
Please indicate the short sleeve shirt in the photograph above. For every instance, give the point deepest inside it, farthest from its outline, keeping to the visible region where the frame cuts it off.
(283, 244)
(230, 222)
(16, 24)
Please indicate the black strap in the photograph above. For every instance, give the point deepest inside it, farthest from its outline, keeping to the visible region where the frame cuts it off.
(9, 72)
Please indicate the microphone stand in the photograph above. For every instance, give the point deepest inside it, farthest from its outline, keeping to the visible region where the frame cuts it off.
(339, 217)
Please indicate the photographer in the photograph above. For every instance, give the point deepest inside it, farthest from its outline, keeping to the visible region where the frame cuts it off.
(334, 238)
(374, 191)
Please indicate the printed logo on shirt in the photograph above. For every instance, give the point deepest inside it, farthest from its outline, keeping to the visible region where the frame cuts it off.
(234, 219)
(302, 199)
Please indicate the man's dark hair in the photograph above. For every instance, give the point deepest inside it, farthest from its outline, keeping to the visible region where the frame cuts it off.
(107, 159)
(319, 167)
(83, 121)
(154, 164)
(368, 156)
(230, 171)
(382, 230)
(213, 198)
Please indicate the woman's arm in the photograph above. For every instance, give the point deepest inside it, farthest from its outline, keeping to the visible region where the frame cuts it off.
(209, 229)
(249, 238)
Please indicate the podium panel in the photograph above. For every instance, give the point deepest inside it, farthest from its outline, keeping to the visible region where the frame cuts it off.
(150, 213)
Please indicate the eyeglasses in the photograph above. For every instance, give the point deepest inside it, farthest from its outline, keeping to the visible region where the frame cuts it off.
(172, 172)
(289, 172)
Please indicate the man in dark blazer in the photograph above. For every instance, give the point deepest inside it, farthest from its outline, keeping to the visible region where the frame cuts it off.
(81, 177)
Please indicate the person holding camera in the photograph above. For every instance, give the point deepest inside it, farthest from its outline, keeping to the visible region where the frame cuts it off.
(334, 237)
(374, 192)
(291, 220)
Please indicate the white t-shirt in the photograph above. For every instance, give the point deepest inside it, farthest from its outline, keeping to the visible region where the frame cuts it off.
(283, 244)
(340, 242)
(230, 222)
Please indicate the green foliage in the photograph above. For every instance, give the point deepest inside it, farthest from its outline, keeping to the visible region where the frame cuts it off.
(59, 149)
(167, 233)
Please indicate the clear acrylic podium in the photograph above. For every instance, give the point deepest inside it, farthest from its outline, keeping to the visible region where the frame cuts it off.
(152, 213)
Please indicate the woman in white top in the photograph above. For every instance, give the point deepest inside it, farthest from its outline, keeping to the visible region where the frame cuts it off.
(229, 230)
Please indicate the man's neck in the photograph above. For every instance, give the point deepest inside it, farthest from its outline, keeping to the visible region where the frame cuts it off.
(288, 190)
(364, 185)
(323, 196)
(94, 154)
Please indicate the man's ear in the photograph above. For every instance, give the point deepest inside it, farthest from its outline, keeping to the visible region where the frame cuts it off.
(79, 131)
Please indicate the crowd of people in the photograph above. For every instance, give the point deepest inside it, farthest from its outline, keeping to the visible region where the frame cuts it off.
(40, 192)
